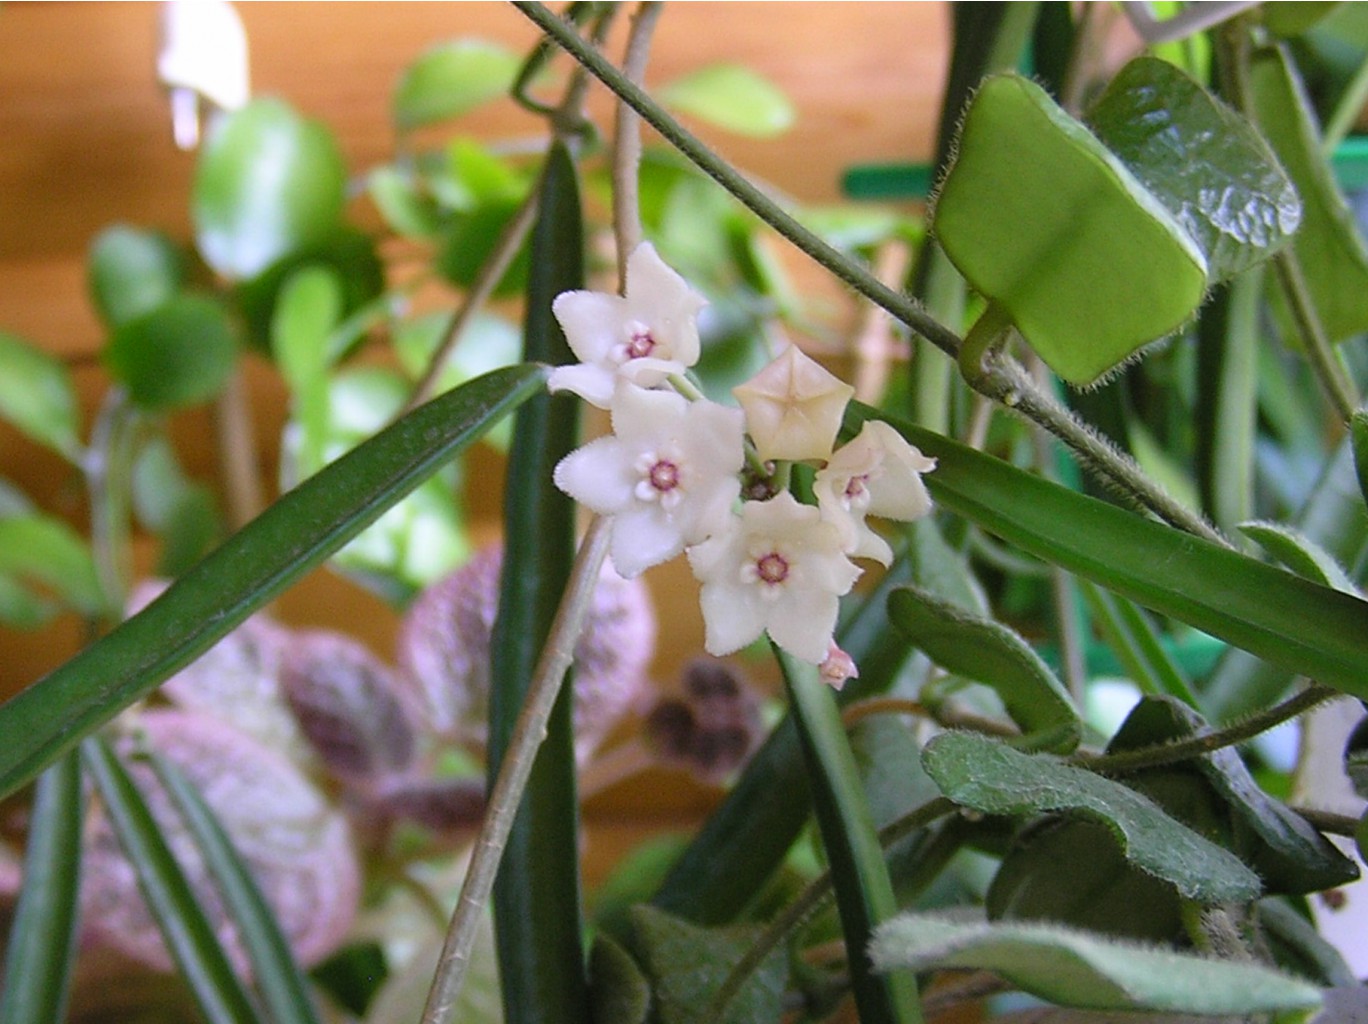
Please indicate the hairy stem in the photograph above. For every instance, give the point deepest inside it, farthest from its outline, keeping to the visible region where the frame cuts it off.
(627, 139)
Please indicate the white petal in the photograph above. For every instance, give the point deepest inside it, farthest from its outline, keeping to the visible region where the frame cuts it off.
(732, 618)
(642, 414)
(643, 537)
(598, 476)
(803, 622)
(593, 323)
(662, 299)
(591, 382)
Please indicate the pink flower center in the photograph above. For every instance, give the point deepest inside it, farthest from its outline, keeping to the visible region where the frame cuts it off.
(641, 343)
(664, 476)
(772, 568)
(856, 487)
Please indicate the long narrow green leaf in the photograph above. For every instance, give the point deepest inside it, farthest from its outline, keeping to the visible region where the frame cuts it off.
(1267, 611)
(1131, 637)
(283, 989)
(536, 899)
(188, 934)
(42, 941)
(292, 536)
(864, 894)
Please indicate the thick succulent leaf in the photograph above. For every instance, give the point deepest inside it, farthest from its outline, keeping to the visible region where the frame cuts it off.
(1290, 855)
(1043, 220)
(268, 182)
(132, 271)
(1091, 971)
(452, 78)
(985, 650)
(295, 534)
(37, 396)
(41, 947)
(688, 964)
(179, 354)
(1299, 553)
(1202, 160)
(1290, 621)
(990, 777)
(47, 553)
(732, 97)
(1329, 246)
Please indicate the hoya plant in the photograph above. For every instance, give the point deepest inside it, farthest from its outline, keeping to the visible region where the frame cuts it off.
(1049, 555)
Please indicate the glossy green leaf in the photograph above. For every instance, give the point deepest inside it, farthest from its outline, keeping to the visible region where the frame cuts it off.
(295, 534)
(41, 947)
(1299, 553)
(987, 651)
(1202, 160)
(859, 876)
(279, 980)
(990, 777)
(37, 396)
(1091, 971)
(1043, 220)
(182, 353)
(1329, 246)
(132, 271)
(469, 174)
(733, 97)
(48, 553)
(536, 899)
(688, 964)
(188, 934)
(1358, 430)
(1283, 618)
(405, 208)
(307, 309)
(452, 78)
(268, 182)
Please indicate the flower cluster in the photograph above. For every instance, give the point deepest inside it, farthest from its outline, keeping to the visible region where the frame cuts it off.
(670, 473)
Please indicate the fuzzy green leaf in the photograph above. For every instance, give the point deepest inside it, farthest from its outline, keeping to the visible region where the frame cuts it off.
(990, 777)
(1299, 553)
(1091, 971)
(732, 97)
(37, 396)
(452, 78)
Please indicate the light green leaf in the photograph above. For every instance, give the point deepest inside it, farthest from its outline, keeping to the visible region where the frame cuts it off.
(1043, 220)
(975, 646)
(307, 309)
(49, 554)
(1299, 553)
(1091, 971)
(180, 354)
(405, 208)
(452, 78)
(299, 531)
(21, 608)
(990, 777)
(1358, 429)
(268, 182)
(132, 271)
(733, 97)
(1202, 160)
(41, 948)
(183, 512)
(36, 395)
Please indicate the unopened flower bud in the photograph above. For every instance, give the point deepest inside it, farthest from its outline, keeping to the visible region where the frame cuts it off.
(794, 407)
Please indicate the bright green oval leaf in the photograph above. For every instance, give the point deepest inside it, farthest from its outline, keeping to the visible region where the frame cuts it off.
(48, 553)
(989, 652)
(1049, 225)
(180, 354)
(132, 271)
(36, 395)
(41, 948)
(451, 79)
(1091, 971)
(301, 529)
(1299, 553)
(990, 777)
(307, 309)
(268, 182)
(1329, 247)
(732, 97)
(405, 208)
(1203, 161)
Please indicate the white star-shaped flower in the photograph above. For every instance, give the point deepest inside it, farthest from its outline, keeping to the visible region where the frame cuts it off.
(667, 474)
(778, 567)
(793, 407)
(645, 336)
(877, 473)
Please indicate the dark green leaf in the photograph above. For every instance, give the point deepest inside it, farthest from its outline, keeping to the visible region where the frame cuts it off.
(451, 79)
(1043, 220)
(1073, 968)
(536, 895)
(471, 242)
(41, 949)
(1265, 610)
(36, 395)
(132, 271)
(188, 934)
(50, 554)
(1299, 553)
(1298, 947)
(688, 964)
(978, 647)
(620, 992)
(298, 532)
(180, 354)
(269, 182)
(283, 989)
(1134, 641)
(732, 97)
(1202, 160)
(990, 777)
